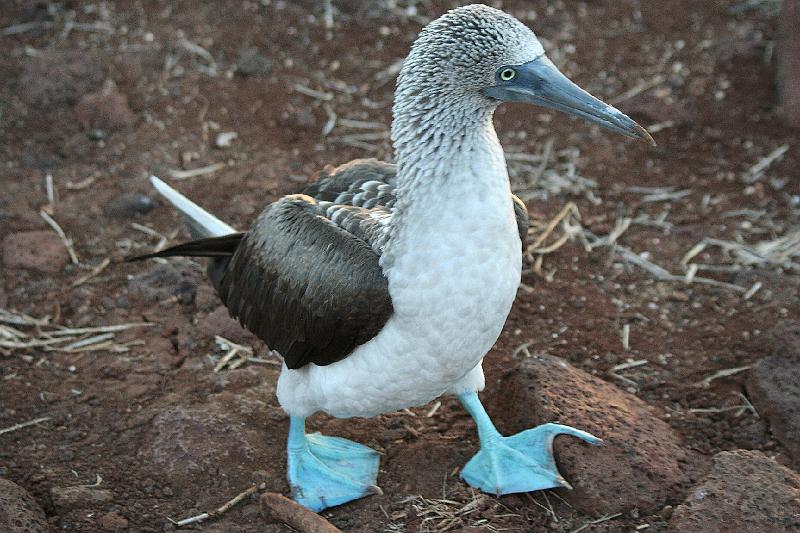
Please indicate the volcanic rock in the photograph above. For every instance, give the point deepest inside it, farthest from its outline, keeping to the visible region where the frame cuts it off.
(19, 512)
(745, 491)
(642, 464)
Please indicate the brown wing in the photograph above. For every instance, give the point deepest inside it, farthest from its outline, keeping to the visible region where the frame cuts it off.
(309, 288)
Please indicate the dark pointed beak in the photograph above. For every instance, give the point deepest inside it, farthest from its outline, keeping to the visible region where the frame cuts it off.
(539, 82)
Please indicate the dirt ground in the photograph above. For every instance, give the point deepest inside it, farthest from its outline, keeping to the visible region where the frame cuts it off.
(99, 95)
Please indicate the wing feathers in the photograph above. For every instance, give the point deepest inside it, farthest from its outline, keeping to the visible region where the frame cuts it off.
(297, 280)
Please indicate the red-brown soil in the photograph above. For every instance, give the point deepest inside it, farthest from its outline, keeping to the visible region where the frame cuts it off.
(101, 95)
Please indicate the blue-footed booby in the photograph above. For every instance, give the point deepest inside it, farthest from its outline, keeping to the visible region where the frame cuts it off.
(384, 286)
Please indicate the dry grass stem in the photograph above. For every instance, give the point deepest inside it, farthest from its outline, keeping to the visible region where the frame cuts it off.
(668, 196)
(222, 509)
(331, 122)
(54, 337)
(658, 272)
(724, 373)
(660, 126)
(757, 171)
(162, 239)
(328, 19)
(779, 252)
(432, 410)
(50, 190)
(626, 339)
(548, 173)
(361, 124)
(355, 144)
(600, 520)
(313, 93)
(388, 73)
(361, 137)
(60, 232)
(752, 290)
(210, 66)
(80, 185)
(21, 425)
(94, 272)
(263, 361)
(245, 353)
(202, 171)
(24, 27)
(638, 89)
(523, 349)
(440, 515)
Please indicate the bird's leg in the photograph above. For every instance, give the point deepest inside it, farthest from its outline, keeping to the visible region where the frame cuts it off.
(327, 471)
(520, 463)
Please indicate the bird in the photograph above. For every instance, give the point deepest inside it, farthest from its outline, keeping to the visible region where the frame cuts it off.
(384, 285)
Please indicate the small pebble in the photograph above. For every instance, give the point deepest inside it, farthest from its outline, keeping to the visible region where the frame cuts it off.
(129, 205)
(225, 139)
(252, 63)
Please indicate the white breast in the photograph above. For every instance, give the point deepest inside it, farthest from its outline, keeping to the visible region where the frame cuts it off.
(454, 275)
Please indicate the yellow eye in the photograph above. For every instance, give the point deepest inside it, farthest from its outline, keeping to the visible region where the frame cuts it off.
(507, 74)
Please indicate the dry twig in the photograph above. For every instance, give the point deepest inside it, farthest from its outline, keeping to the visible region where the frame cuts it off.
(724, 373)
(21, 425)
(60, 232)
(94, 272)
(294, 515)
(202, 171)
(220, 510)
(756, 171)
(600, 520)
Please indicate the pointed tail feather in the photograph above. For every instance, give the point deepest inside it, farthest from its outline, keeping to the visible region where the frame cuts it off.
(200, 222)
(223, 246)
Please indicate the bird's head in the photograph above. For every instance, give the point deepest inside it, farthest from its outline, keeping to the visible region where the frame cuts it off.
(481, 56)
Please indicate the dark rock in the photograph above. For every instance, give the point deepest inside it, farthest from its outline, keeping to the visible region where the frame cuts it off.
(104, 111)
(745, 491)
(129, 205)
(164, 281)
(37, 250)
(219, 322)
(191, 442)
(252, 63)
(642, 464)
(67, 498)
(19, 512)
(774, 388)
(783, 338)
(55, 78)
(113, 522)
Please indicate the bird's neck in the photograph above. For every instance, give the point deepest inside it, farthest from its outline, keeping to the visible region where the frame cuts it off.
(449, 159)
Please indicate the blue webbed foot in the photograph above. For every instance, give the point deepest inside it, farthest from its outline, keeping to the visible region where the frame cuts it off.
(327, 471)
(519, 463)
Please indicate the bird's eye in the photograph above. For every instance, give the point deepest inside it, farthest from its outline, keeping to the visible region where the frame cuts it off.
(507, 74)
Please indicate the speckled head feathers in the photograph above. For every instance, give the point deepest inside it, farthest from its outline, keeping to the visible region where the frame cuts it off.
(460, 51)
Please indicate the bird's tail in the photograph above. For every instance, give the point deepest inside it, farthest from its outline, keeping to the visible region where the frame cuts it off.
(200, 222)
